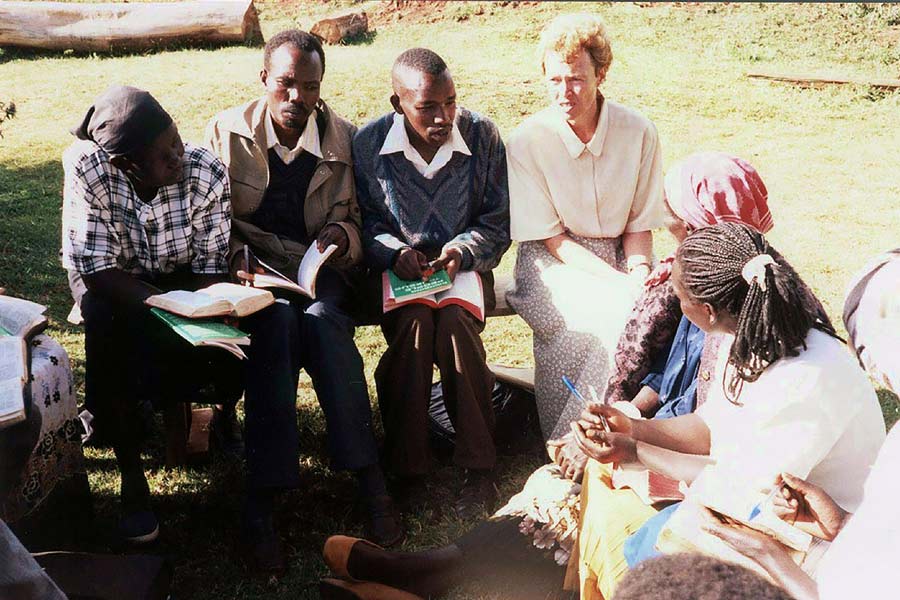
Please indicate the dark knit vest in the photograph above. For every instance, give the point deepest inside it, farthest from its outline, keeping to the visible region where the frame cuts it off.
(281, 210)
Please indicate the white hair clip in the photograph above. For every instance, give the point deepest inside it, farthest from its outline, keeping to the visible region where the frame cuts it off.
(755, 269)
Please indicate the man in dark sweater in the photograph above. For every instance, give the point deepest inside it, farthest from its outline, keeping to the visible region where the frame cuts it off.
(431, 182)
(288, 160)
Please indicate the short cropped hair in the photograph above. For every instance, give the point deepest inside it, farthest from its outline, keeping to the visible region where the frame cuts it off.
(570, 33)
(301, 40)
(421, 60)
(693, 577)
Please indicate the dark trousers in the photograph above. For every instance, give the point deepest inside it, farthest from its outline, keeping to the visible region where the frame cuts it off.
(316, 335)
(134, 362)
(419, 337)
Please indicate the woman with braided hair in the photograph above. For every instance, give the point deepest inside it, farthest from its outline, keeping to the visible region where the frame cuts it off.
(788, 398)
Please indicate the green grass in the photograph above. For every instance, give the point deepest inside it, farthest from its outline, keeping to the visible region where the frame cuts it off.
(828, 157)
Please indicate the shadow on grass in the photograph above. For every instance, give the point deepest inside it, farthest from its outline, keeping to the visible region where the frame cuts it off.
(28, 54)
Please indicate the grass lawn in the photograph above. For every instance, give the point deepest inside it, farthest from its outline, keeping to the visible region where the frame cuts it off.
(828, 156)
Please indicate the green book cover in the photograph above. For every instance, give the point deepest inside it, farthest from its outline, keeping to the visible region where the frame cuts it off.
(197, 331)
(404, 288)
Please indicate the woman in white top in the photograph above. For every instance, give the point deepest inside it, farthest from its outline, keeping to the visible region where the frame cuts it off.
(585, 182)
(788, 397)
(861, 562)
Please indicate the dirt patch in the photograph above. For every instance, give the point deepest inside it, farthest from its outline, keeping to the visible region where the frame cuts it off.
(432, 11)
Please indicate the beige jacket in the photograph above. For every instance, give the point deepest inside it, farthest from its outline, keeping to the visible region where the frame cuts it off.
(238, 137)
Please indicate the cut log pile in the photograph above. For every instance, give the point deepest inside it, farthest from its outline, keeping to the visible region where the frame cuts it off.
(820, 81)
(123, 26)
(342, 28)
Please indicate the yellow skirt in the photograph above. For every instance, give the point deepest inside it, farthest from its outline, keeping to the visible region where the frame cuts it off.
(608, 517)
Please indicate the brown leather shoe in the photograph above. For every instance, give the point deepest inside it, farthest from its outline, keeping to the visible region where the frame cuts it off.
(384, 527)
(337, 553)
(339, 589)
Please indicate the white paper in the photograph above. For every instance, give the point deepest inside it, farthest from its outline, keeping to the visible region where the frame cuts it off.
(310, 265)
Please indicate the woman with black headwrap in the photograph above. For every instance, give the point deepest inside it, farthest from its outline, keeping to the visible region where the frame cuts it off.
(141, 211)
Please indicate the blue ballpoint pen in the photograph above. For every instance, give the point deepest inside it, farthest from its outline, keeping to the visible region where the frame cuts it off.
(578, 395)
(758, 508)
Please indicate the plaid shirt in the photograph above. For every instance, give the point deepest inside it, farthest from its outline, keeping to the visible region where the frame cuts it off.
(106, 225)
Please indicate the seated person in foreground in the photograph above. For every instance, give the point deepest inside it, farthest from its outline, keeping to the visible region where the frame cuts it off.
(787, 396)
(141, 212)
(691, 576)
(432, 186)
(861, 561)
(144, 212)
(288, 160)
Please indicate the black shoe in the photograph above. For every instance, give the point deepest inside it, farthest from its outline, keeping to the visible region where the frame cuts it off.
(478, 494)
(225, 432)
(384, 526)
(139, 527)
(411, 493)
(262, 546)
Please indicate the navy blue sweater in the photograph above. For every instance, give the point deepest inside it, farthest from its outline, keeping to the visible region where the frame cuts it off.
(465, 205)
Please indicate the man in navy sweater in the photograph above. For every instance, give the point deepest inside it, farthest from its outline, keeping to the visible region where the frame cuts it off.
(432, 187)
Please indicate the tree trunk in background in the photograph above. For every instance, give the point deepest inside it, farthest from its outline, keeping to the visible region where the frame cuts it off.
(138, 26)
(334, 31)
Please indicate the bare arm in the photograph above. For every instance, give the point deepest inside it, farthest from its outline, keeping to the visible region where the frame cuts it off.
(675, 465)
(687, 434)
(768, 554)
(646, 401)
(638, 244)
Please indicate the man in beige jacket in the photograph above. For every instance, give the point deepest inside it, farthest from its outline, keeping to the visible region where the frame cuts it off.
(290, 168)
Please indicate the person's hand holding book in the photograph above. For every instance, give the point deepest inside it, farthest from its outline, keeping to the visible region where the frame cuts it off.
(808, 507)
(410, 264)
(450, 259)
(333, 234)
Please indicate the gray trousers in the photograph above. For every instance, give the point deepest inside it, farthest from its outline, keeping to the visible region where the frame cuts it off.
(21, 578)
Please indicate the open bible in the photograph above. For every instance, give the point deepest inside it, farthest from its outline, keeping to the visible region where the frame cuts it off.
(213, 301)
(306, 273)
(464, 291)
(19, 320)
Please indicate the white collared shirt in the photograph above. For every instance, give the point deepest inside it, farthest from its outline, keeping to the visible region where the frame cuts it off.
(309, 140)
(601, 189)
(397, 140)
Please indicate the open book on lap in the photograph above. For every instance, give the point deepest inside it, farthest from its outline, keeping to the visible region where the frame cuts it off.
(203, 332)
(19, 320)
(216, 300)
(733, 506)
(465, 291)
(13, 377)
(306, 274)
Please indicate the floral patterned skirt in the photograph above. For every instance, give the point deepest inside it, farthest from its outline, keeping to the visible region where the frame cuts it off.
(57, 455)
(576, 318)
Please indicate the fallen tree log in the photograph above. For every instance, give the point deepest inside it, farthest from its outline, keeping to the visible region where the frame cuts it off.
(818, 81)
(121, 26)
(338, 29)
